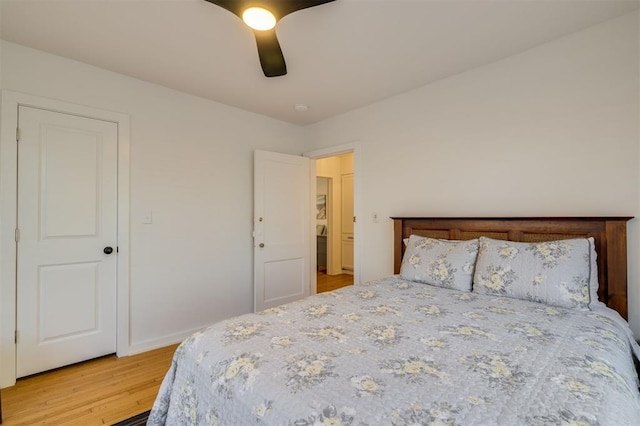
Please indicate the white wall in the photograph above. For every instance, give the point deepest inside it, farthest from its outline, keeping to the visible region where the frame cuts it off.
(192, 166)
(552, 131)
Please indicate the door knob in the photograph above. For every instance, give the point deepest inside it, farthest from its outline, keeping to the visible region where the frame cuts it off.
(261, 245)
(108, 250)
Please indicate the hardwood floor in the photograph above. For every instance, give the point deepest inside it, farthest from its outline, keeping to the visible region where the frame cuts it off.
(332, 282)
(102, 391)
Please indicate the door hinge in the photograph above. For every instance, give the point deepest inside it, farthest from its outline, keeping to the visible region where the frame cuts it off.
(17, 235)
(16, 337)
(354, 219)
(17, 134)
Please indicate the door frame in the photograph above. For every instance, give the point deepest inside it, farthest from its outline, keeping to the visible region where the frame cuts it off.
(8, 219)
(352, 147)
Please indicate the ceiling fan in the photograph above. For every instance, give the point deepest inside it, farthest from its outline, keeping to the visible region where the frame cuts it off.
(268, 13)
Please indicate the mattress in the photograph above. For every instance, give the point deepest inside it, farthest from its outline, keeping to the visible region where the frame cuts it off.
(394, 352)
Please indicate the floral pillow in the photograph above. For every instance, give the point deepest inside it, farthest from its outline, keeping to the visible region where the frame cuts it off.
(441, 263)
(554, 272)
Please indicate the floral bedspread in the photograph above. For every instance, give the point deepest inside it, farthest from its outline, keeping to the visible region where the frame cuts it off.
(393, 352)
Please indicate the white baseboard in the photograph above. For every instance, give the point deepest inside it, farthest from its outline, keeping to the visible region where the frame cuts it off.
(151, 344)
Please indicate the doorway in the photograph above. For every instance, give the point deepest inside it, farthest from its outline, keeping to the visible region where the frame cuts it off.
(335, 218)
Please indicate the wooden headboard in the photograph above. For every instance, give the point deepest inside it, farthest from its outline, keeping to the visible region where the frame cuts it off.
(610, 234)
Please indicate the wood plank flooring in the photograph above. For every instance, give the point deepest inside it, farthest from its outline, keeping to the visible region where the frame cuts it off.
(97, 392)
(332, 282)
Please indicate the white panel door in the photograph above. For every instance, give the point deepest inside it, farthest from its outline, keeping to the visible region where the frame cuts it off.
(347, 204)
(67, 207)
(281, 229)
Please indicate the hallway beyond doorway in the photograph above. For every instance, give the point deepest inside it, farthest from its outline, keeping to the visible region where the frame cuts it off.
(333, 282)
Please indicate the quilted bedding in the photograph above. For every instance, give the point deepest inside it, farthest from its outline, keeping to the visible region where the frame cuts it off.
(393, 352)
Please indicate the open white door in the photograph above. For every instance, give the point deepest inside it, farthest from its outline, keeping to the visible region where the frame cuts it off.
(281, 229)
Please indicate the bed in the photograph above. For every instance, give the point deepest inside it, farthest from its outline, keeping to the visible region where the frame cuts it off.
(401, 351)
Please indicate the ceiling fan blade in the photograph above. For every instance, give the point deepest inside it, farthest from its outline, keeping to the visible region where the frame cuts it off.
(234, 6)
(279, 8)
(284, 7)
(271, 57)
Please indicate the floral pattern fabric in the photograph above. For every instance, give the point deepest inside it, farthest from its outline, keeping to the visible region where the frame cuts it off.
(556, 273)
(395, 352)
(442, 263)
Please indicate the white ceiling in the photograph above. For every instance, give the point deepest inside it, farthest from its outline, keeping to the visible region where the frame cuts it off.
(340, 56)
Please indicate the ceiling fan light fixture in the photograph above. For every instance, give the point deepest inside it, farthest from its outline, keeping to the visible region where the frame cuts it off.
(259, 19)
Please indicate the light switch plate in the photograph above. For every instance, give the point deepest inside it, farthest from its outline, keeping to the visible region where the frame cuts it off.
(148, 218)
